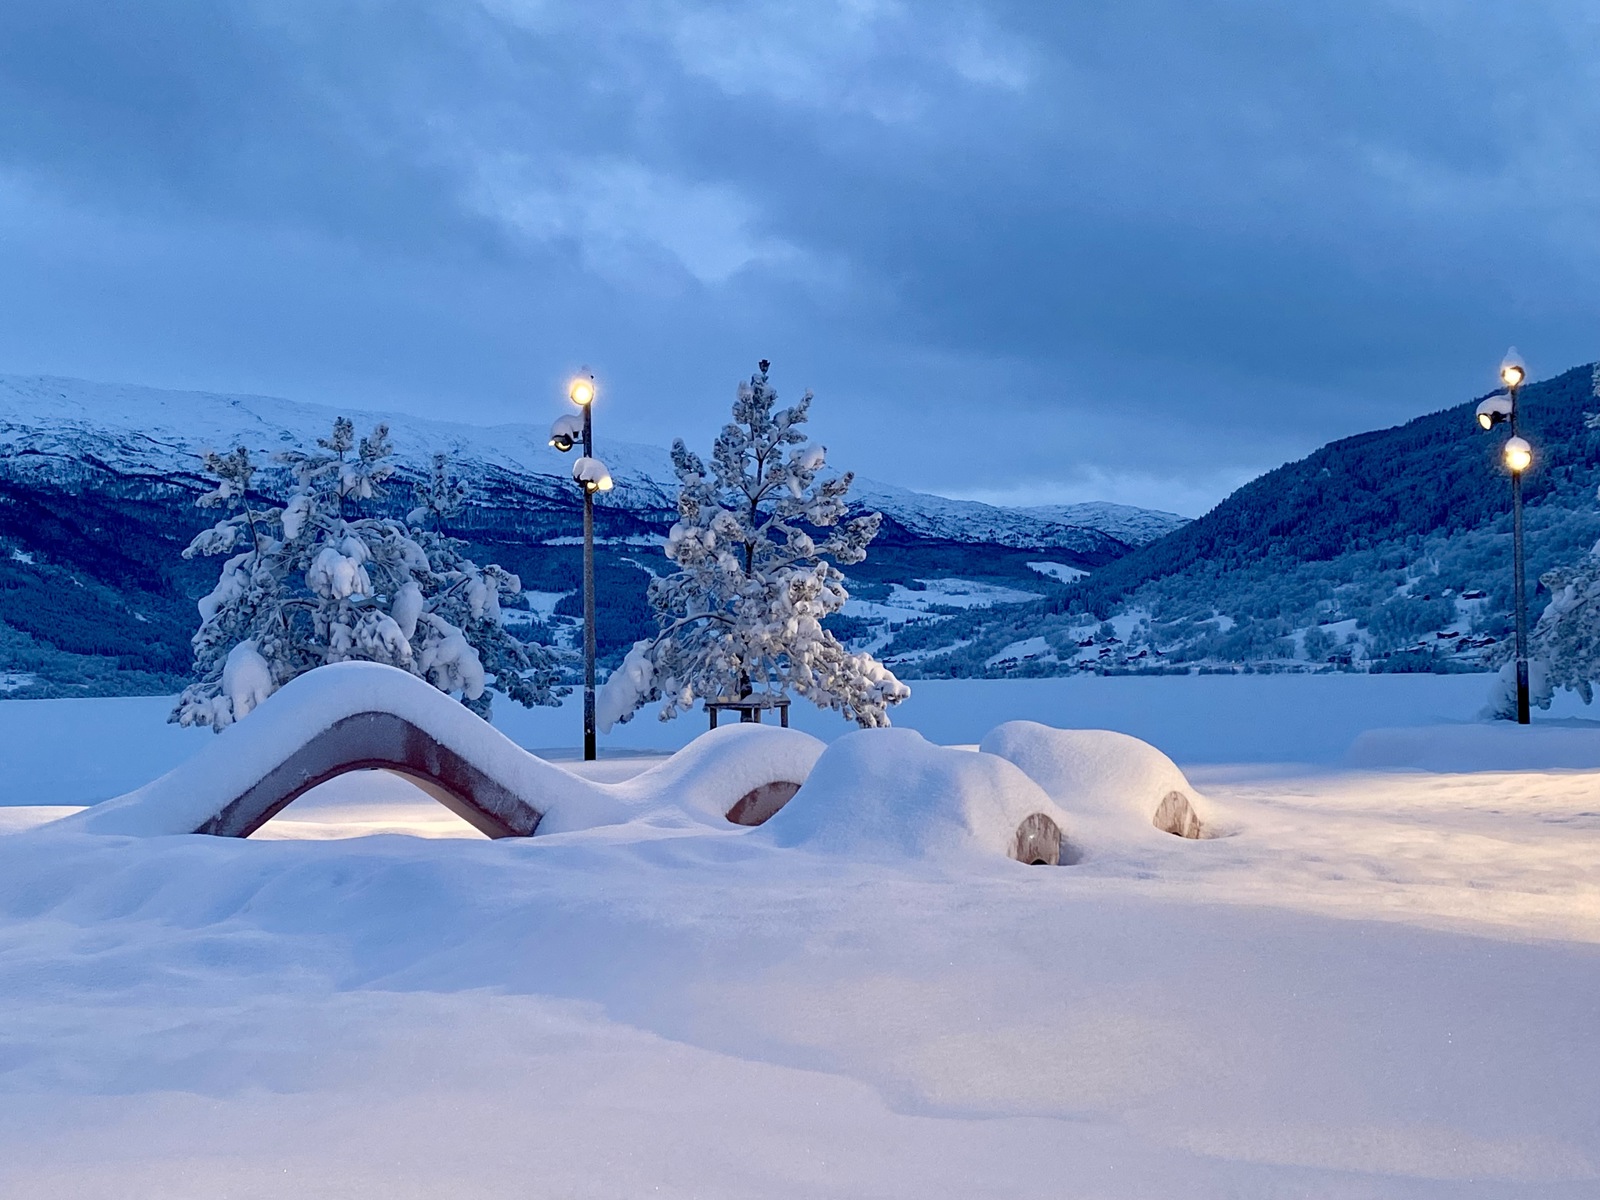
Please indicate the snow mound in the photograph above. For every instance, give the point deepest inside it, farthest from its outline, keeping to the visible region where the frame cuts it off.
(516, 792)
(889, 793)
(708, 777)
(1120, 785)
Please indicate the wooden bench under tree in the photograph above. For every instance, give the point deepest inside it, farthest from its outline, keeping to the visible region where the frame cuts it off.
(749, 708)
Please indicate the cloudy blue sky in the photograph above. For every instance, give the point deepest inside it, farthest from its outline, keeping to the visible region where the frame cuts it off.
(1137, 250)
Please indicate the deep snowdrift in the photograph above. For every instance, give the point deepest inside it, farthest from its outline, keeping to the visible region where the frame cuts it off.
(890, 792)
(1123, 787)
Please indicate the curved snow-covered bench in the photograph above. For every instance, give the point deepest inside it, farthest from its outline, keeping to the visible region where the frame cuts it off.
(359, 716)
(879, 792)
(742, 773)
(1105, 776)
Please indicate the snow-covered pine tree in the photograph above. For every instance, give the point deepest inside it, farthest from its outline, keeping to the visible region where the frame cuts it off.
(465, 601)
(319, 583)
(742, 614)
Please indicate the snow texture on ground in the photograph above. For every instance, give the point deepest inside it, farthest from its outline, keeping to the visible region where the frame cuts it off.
(1379, 983)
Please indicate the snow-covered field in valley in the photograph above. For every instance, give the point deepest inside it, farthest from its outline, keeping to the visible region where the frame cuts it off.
(1382, 978)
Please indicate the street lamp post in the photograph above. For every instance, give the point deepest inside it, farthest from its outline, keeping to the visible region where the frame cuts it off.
(591, 476)
(1518, 457)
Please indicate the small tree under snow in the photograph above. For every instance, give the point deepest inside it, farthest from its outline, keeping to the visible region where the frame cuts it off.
(315, 583)
(742, 615)
(1563, 648)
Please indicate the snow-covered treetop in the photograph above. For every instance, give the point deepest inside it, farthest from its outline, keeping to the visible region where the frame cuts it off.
(762, 488)
(743, 612)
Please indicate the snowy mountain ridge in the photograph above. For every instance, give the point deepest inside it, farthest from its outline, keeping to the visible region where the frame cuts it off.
(154, 432)
(952, 520)
(157, 432)
(1125, 522)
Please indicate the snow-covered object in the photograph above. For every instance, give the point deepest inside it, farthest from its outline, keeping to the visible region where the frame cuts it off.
(878, 793)
(233, 581)
(323, 584)
(449, 663)
(568, 427)
(337, 570)
(407, 607)
(1572, 672)
(246, 679)
(1496, 408)
(627, 687)
(592, 474)
(1564, 646)
(700, 783)
(742, 614)
(708, 776)
(1113, 785)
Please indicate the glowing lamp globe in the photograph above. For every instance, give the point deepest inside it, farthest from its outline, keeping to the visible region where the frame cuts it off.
(1519, 455)
(1512, 369)
(581, 392)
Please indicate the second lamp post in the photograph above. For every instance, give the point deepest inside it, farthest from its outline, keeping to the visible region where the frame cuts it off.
(1518, 457)
(590, 474)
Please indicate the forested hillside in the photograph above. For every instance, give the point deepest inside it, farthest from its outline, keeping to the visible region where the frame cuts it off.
(1389, 549)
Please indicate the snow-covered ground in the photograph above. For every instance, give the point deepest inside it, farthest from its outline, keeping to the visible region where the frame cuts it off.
(1380, 982)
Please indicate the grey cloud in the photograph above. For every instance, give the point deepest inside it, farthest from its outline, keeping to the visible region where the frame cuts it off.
(1015, 247)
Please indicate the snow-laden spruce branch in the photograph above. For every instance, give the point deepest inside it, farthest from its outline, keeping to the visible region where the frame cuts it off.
(320, 583)
(742, 614)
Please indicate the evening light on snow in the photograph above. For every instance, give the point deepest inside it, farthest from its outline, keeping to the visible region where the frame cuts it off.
(744, 599)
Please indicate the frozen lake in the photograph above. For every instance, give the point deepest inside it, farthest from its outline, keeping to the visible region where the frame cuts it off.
(81, 751)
